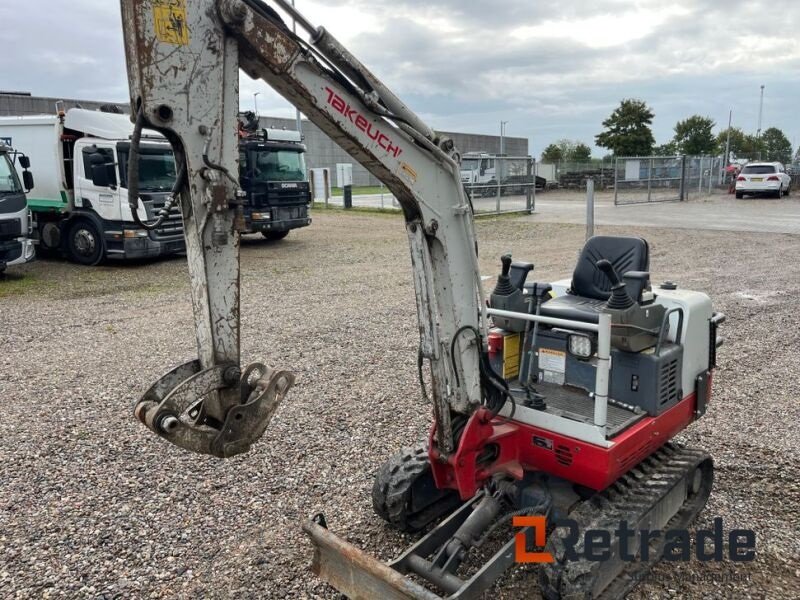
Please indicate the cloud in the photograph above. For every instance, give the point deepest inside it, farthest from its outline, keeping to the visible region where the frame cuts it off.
(552, 69)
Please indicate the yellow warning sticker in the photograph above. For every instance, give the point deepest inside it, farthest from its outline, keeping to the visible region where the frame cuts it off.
(409, 172)
(511, 348)
(170, 21)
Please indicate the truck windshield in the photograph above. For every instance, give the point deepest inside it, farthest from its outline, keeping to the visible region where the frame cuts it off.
(470, 164)
(9, 182)
(279, 165)
(156, 169)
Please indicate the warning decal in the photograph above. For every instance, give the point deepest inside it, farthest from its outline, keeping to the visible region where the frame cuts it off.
(552, 360)
(170, 21)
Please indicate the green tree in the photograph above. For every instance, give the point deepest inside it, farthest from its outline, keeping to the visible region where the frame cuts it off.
(742, 145)
(565, 149)
(552, 154)
(775, 146)
(627, 131)
(581, 152)
(693, 136)
(667, 149)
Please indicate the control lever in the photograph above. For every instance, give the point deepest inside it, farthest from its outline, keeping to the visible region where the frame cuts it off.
(620, 298)
(507, 296)
(504, 286)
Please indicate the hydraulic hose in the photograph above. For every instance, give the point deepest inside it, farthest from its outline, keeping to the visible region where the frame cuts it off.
(133, 180)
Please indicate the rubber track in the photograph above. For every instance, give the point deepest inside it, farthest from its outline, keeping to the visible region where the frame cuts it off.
(630, 498)
(391, 492)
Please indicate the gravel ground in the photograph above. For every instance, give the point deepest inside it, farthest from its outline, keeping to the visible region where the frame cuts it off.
(93, 506)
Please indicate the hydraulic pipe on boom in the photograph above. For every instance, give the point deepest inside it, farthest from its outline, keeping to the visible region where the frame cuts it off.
(183, 63)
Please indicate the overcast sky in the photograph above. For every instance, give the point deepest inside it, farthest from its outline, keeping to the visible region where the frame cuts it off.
(552, 69)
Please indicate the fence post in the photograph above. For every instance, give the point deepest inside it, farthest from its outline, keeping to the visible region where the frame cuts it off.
(650, 180)
(530, 176)
(497, 172)
(589, 208)
(682, 193)
(616, 180)
(348, 196)
(700, 177)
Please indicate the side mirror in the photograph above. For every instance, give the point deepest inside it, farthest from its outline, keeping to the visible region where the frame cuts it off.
(24, 161)
(27, 180)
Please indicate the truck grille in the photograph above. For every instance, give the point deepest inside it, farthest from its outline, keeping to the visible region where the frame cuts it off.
(11, 228)
(172, 226)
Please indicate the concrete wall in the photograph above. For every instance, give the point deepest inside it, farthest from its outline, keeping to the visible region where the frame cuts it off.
(322, 151)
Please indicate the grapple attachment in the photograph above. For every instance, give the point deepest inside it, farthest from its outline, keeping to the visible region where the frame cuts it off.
(176, 407)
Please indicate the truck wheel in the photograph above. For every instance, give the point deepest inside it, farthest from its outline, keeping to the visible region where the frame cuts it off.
(739, 195)
(274, 236)
(84, 243)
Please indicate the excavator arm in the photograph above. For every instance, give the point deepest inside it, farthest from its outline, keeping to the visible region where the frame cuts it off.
(183, 61)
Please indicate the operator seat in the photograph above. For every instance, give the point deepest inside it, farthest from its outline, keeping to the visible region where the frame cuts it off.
(590, 288)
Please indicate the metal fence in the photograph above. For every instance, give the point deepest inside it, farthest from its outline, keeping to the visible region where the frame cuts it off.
(500, 184)
(794, 172)
(573, 174)
(642, 179)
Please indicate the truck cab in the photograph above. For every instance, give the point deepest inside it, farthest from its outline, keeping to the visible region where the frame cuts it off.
(272, 173)
(16, 247)
(479, 173)
(81, 199)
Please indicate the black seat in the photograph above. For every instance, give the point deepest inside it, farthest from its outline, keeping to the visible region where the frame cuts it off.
(590, 288)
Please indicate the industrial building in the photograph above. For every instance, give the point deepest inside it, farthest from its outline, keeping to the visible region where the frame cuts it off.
(322, 151)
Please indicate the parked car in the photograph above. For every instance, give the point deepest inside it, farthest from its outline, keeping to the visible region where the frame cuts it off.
(763, 178)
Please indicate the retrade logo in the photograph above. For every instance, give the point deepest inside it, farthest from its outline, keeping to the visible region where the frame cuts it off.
(630, 544)
(364, 124)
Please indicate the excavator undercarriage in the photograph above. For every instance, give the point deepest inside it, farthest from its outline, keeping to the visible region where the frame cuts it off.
(553, 403)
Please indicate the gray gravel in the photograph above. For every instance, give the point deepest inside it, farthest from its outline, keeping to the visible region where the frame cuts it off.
(92, 506)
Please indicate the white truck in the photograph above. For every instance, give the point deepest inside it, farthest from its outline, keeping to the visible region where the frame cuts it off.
(80, 203)
(16, 247)
(479, 173)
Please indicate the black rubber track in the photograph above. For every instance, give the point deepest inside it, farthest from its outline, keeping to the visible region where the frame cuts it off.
(404, 494)
(632, 498)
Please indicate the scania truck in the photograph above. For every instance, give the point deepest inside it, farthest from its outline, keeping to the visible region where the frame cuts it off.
(80, 203)
(16, 247)
(272, 173)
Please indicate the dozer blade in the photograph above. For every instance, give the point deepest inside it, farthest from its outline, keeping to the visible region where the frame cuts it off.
(355, 573)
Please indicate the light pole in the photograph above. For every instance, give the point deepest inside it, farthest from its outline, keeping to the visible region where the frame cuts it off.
(728, 140)
(503, 136)
(760, 112)
(255, 102)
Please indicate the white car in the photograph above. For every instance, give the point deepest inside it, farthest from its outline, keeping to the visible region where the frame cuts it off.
(763, 178)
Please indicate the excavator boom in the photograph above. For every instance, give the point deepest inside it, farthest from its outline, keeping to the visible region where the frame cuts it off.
(183, 60)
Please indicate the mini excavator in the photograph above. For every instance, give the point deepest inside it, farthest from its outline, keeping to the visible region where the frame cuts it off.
(557, 400)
